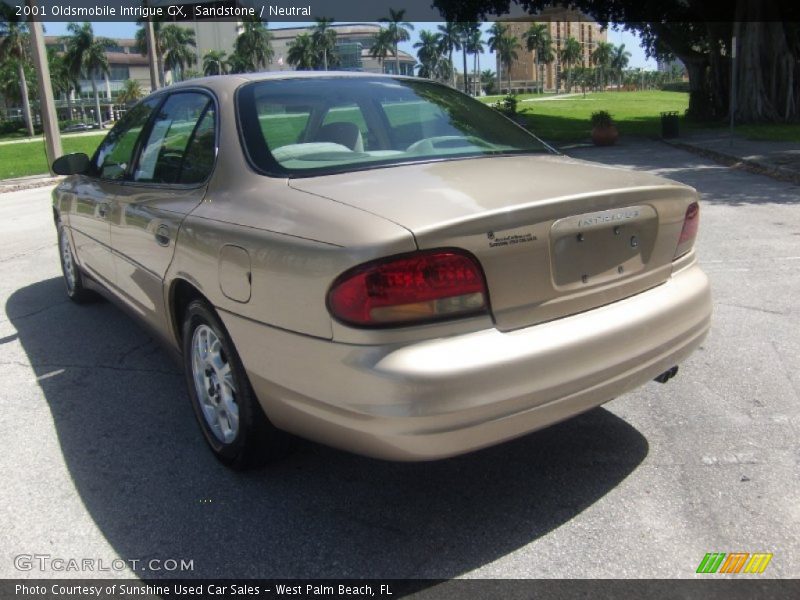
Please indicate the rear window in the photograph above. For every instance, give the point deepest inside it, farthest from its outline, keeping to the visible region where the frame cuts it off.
(310, 126)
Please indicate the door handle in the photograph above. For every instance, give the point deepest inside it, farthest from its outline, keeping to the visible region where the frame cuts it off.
(162, 235)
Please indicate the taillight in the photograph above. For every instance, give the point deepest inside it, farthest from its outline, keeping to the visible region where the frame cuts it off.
(689, 232)
(413, 288)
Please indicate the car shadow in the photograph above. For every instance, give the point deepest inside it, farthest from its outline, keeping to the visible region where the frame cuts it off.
(138, 461)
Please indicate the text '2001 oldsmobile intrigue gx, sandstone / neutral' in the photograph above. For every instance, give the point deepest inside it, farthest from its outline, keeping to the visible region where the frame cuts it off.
(382, 264)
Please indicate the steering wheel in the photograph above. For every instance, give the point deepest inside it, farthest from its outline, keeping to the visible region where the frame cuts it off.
(431, 144)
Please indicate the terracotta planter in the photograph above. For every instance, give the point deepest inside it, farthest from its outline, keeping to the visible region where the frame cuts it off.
(605, 136)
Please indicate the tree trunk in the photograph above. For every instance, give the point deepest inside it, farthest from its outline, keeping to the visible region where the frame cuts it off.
(26, 103)
(499, 81)
(464, 54)
(97, 104)
(700, 106)
(766, 71)
(162, 76)
(396, 60)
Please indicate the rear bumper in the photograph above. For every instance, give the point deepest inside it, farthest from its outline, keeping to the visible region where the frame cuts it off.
(442, 397)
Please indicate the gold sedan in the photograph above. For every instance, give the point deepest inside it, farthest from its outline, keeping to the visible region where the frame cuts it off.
(381, 264)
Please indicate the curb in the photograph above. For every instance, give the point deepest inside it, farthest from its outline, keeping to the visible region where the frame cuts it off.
(14, 185)
(737, 162)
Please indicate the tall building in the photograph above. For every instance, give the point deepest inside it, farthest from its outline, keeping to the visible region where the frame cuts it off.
(562, 24)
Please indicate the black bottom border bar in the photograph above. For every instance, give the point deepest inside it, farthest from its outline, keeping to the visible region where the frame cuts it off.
(707, 588)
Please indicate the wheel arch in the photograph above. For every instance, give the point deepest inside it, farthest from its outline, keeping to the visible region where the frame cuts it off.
(181, 293)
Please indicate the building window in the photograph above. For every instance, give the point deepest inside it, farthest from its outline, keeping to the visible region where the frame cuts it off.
(119, 72)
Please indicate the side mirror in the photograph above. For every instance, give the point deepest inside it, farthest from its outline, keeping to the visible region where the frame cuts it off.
(71, 164)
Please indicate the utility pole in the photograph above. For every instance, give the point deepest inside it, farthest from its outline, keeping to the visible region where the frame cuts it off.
(47, 107)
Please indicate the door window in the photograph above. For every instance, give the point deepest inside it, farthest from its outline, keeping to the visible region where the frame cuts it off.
(180, 145)
(114, 154)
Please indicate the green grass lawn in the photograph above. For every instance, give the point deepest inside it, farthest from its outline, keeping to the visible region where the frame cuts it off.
(19, 160)
(635, 113)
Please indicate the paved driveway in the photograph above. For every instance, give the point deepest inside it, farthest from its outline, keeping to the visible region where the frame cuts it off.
(102, 458)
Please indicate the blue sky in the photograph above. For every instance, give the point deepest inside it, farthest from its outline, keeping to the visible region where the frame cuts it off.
(637, 60)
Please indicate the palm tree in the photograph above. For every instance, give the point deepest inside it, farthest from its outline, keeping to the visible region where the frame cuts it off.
(601, 56)
(14, 48)
(254, 45)
(86, 57)
(496, 33)
(570, 53)
(619, 62)
(177, 55)
(432, 63)
(475, 46)
(141, 46)
(237, 63)
(487, 80)
(131, 92)
(450, 40)
(215, 63)
(538, 41)
(302, 53)
(466, 31)
(64, 82)
(324, 37)
(381, 46)
(506, 47)
(399, 31)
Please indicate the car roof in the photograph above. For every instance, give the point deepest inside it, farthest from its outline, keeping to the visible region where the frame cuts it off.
(231, 82)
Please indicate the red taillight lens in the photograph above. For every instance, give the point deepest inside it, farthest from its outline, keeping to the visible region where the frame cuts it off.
(691, 221)
(415, 288)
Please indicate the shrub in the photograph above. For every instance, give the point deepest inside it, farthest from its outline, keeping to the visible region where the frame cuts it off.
(675, 86)
(601, 118)
(508, 105)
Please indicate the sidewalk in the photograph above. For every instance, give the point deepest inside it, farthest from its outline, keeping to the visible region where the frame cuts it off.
(780, 160)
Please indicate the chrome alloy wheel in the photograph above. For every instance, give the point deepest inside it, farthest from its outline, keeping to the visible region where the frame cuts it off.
(213, 381)
(67, 262)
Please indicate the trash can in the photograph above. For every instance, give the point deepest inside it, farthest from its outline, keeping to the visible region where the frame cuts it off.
(669, 124)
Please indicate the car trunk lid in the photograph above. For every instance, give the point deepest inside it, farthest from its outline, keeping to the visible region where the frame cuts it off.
(555, 236)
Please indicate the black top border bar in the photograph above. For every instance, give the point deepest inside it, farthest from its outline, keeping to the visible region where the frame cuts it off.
(277, 11)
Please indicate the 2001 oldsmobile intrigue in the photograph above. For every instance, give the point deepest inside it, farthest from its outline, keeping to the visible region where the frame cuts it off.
(382, 264)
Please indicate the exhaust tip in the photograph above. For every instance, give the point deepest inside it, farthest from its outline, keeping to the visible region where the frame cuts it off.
(667, 375)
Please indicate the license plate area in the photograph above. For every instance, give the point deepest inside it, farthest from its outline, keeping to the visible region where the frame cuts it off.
(600, 247)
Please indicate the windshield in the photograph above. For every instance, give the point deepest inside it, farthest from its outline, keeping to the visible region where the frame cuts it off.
(311, 126)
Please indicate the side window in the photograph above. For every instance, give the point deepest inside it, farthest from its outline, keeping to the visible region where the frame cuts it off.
(114, 154)
(174, 136)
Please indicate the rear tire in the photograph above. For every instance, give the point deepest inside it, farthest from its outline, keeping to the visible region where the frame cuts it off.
(73, 278)
(230, 417)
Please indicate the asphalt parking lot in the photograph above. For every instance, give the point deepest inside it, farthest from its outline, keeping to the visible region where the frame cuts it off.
(102, 458)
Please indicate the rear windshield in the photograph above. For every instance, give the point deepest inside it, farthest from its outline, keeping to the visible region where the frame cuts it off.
(335, 124)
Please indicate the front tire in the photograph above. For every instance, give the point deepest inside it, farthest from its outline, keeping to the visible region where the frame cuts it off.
(230, 417)
(73, 278)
